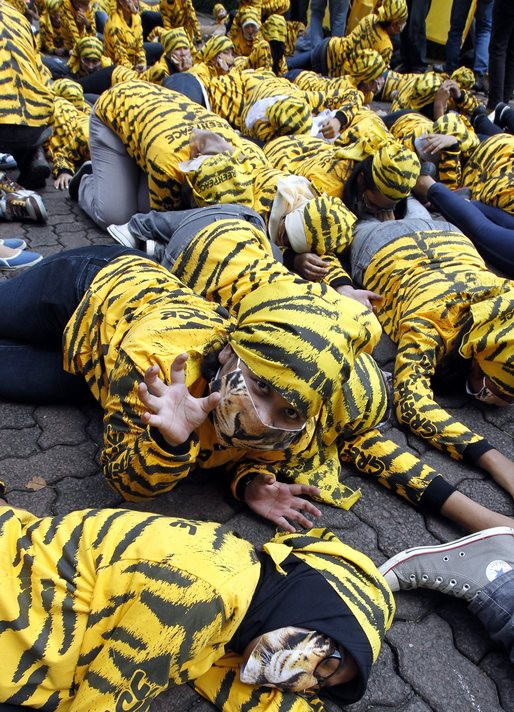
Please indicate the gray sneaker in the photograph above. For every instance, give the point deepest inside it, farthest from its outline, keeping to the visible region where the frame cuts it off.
(461, 567)
(122, 234)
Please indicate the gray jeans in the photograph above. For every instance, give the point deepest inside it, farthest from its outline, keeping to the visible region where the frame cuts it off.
(370, 235)
(117, 188)
(174, 230)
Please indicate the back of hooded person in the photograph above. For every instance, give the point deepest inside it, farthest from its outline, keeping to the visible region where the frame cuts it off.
(341, 597)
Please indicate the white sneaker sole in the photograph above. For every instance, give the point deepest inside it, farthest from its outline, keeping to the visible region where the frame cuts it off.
(122, 237)
(408, 554)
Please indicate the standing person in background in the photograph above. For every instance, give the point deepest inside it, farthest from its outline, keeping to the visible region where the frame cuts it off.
(314, 34)
(501, 54)
(413, 39)
(483, 18)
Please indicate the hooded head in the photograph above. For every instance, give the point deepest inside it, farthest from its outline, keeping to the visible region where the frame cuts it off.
(490, 340)
(324, 225)
(343, 596)
(393, 11)
(289, 116)
(69, 90)
(419, 91)
(213, 47)
(409, 127)
(452, 124)
(87, 49)
(395, 170)
(275, 29)
(366, 65)
(464, 77)
(250, 21)
(172, 40)
(297, 337)
(220, 178)
(219, 13)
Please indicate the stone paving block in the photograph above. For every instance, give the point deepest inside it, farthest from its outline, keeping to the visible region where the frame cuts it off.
(469, 636)
(397, 523)
(39, 503)
(19, 443)
(501, 418)
(16, 415)
(92, 491)
(490, 494)
(200, 496)
(60, 425)
(415, 605)
(71, 240)
(52, 465)
(442, 676)
(385, 685)
(500, 670)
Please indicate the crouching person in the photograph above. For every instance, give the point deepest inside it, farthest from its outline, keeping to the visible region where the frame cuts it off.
(104, 609)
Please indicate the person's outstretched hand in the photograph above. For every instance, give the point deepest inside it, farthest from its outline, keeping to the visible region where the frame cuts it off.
(172, 409)
(278, 501)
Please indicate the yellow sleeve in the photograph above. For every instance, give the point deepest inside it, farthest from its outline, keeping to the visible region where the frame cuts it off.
(221, 686)
(449, 169)
(136, 460)
(420, 348)
(393, 467)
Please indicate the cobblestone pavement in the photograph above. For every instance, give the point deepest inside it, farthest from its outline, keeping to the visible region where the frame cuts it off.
(436, 656)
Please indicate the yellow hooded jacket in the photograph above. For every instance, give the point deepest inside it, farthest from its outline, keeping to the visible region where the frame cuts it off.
(127, 603)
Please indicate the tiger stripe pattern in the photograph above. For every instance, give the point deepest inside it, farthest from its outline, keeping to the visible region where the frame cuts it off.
(489, 172)
(155, 125)
(68, 146)
(429, 281)
(24, 97)
(102, 607)
(181, 13)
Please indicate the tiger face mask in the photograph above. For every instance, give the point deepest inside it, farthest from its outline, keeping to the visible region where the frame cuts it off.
(291, 658)
(236, 420)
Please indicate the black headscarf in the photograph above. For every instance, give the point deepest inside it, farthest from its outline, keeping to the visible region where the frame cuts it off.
(305, 599)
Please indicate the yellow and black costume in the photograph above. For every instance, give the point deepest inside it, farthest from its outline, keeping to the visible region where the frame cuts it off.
(123, 43)
(347, 431)
(103, 609)
(72, 32)
(25, 99)
(181, 13)
(155, 125)
(136, 313)
(439, 298)
(68, 146)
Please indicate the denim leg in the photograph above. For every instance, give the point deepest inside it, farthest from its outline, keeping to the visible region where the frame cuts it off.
(494, 242)
(338, 14)
(34, 374)
(459, 14)
(36, 305)
(494, 607)
(483, 21)
(34, 310)
(315, 30)
(100, 20)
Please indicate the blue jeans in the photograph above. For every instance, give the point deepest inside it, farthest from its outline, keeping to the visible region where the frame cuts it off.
(483, 22)
(34, 310)
(314, 34)
(494, 607)
(486, 228)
